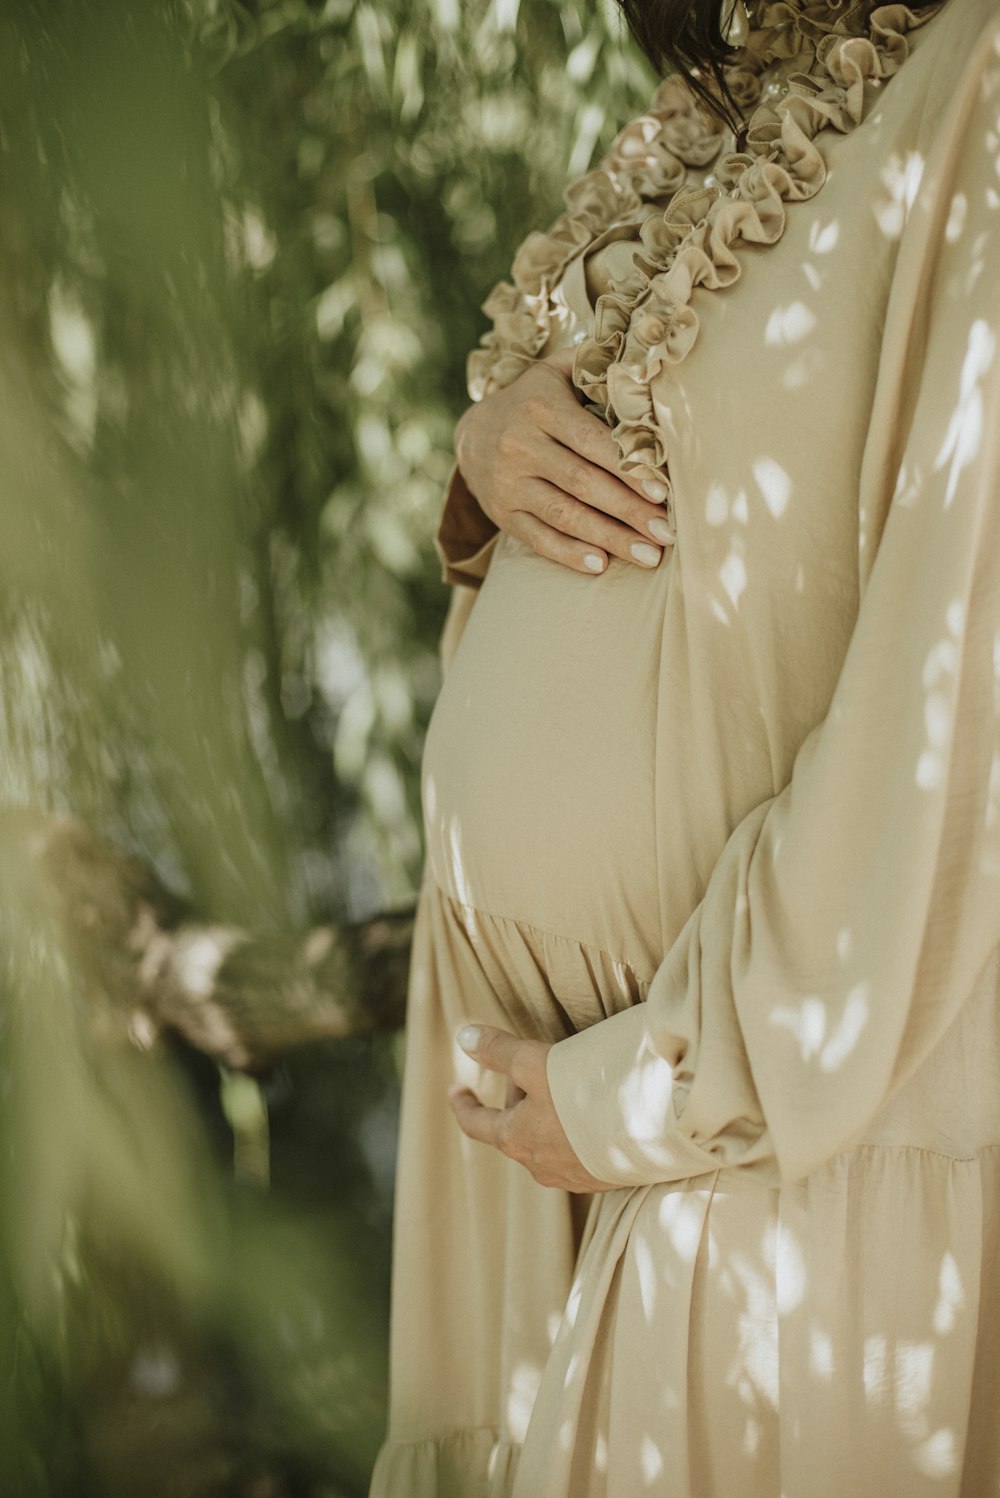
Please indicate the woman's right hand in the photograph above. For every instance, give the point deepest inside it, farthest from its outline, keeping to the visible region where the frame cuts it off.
(546, 471)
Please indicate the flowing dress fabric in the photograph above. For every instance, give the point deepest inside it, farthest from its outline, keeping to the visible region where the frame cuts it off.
(728, 833)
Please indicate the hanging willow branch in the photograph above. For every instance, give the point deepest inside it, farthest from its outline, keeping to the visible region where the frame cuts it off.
(154, 968)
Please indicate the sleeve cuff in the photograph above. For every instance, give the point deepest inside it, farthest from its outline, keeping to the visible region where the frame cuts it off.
(465, 537)
(618, 1102)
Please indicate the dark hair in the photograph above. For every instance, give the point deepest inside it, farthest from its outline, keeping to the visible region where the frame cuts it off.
(685, 36)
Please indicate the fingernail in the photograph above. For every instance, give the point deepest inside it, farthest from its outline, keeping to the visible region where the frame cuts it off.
(655, 489)
(647, 555)
(468, 1037)
(661, 530)
(595, 563)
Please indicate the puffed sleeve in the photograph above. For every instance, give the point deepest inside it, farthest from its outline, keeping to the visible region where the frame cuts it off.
(544, 305)
(848, 917)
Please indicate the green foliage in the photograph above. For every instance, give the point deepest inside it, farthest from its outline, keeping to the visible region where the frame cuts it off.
(244, 252)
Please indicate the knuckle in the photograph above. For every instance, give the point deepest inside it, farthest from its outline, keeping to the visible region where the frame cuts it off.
(578, 478)
(509, 441)
(559, 511)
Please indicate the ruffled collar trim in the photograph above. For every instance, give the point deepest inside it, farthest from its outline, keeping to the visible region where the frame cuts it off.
(803, 68)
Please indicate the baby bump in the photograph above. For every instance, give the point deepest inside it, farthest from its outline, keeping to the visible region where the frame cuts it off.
(538, 768)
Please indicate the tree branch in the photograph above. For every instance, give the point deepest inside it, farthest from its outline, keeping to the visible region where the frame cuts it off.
(155, 968)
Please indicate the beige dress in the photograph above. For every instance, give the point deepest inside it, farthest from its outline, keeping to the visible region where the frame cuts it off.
(729, 834)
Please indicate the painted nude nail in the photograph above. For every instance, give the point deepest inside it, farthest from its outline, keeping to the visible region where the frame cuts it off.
(595, 563)
(661, 530)
(647, 555)
(655, 489)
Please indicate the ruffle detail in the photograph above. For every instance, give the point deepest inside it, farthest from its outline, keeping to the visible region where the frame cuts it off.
(833, 56)
(470, 1463)
(850, 50)
(648, 161)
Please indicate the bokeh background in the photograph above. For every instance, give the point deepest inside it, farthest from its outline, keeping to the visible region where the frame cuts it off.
(243, 249)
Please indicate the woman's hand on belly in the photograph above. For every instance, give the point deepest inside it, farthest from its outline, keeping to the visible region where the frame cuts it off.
(528, 1129)
(547, 472)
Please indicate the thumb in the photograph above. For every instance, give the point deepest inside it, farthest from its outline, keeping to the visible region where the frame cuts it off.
(494, 1049)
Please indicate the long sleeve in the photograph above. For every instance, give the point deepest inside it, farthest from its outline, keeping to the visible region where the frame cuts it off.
(848, 917)
(545, 303)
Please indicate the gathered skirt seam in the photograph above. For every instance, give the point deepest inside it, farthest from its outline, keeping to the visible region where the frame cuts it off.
(511, 920)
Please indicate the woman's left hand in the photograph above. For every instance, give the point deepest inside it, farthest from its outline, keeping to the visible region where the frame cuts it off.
(528, 1129)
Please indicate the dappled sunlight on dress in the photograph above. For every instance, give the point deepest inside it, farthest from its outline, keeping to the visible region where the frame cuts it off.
(729, 833)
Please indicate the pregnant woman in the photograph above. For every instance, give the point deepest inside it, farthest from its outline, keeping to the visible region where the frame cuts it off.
(707, 1204)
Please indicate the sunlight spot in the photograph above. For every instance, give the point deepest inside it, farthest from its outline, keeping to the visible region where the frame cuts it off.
(74, 344)
(774, 484)
(930, 771)
(875, 1368)
(848, 1032)
(718, 611)
(961, 443)
(716, 506)
(955, 616)
(800, 578)
(552, 1325)
(521, 1398)
(652, 1461)
(682, 1219)
(741, 510)
(951, 1297)
(941, 662)
(755, 1375)
(914, 1366)
(956, 217)
(937, 1456)
(821, 1360)
(789, 324)
(646, 1097)
(937, 719)
(790, 1271)
(601, 1452)
(823, 237)
(646, 1270)
(462, 891)
(430, 799)
(807, 1023)
(845, 943)
(733, 575)
(901, 178)
(812, 275)
(751, 1437)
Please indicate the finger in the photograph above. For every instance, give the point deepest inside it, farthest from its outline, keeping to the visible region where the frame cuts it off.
(586, 434)
(474, 1119)
(564, 516)
(495, 1049)
(499, 1051)
(586, 481)
(555, 544)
